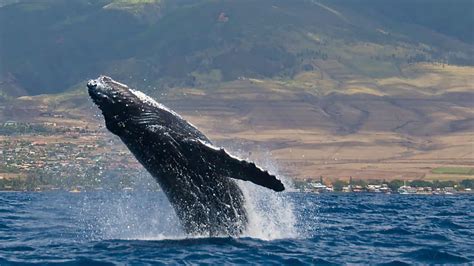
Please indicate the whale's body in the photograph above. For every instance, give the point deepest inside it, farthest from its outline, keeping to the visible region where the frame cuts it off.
(195, 176)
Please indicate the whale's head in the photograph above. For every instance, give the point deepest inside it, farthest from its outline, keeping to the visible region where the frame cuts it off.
(121, 106)
(109, 95)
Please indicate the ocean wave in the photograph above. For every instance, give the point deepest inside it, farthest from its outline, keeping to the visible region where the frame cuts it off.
(292, 228)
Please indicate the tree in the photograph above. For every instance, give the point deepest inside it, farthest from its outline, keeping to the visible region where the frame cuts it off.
(375, 181)
(421, 183)
(339, 184)
(395, 184)
(442, 184)
(467, 183)
(359, 182)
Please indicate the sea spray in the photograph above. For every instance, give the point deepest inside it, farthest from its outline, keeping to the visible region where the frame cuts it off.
(142, 213)
(146, 214)
(271, 214)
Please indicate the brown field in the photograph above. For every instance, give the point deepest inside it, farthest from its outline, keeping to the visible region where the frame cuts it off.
(303, 153)
(322, 123)
(371, 129)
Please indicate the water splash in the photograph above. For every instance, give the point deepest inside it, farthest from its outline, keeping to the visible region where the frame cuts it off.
(271, 214)
(145, 214)
(140, 216)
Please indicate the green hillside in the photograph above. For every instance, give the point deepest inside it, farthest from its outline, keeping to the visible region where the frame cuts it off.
(47, 46)
(452, 18)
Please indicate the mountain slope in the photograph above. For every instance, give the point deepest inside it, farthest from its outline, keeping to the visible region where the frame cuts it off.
(48, 46)
(377, 131)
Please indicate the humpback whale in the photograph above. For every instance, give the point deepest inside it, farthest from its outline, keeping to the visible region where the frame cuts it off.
(196, 176)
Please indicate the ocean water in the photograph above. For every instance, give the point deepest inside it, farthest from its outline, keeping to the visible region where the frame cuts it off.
(289, 228)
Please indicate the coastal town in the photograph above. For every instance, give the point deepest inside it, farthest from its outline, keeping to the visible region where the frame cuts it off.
(47, 157)
(44, 156)
(396, 186)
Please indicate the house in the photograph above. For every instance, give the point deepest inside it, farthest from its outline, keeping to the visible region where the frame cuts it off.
(10, 123)
(318, 187)
(347, 189)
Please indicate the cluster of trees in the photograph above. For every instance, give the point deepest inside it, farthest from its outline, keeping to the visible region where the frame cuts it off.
(88, 179)
(395, 184)
(312, 54)
(68, 179)
(18, 184)
(24, 128)
(466, 183)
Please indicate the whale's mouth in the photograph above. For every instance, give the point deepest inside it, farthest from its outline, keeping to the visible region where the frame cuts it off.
(98, 91)
(105, 92)
(97, 96)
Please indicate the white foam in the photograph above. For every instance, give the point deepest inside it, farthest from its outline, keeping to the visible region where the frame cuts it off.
(150, 216)
(271, 214)
(141, 214)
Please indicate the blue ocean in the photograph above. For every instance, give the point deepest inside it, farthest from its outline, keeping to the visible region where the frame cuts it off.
(139, 227)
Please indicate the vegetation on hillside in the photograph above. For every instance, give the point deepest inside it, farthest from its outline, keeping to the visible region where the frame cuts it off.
(453, 170)
(330, 86)
(48, 46)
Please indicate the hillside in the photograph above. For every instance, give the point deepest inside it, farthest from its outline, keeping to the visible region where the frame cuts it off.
(50, 45)
(370, 128)
(332, 88)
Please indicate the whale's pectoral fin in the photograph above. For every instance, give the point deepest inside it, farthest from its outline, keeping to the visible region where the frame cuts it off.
(230, 166)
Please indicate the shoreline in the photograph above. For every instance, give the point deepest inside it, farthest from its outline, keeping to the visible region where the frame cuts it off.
(292, 192)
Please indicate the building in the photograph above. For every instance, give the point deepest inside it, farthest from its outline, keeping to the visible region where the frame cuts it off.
(10, 123)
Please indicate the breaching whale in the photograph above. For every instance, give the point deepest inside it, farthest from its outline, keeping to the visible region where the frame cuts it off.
(196, 176)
